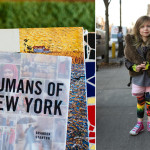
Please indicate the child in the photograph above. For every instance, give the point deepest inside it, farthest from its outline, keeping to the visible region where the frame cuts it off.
(137, 60)
(10, 71)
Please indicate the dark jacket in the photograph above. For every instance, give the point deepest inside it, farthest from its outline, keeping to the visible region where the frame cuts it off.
(135, 56)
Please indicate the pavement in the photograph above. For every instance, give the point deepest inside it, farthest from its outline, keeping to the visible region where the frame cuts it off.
(116, 112)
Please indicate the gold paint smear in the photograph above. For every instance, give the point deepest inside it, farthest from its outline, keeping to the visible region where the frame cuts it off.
(59, 41)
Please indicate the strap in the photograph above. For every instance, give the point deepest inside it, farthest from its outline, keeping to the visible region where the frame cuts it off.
(129, 82)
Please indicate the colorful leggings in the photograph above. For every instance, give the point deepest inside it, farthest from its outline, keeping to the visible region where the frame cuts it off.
(141, 104)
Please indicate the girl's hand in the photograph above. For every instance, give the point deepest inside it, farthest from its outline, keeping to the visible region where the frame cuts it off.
(143, 66)
(139, 67)
(147, 66)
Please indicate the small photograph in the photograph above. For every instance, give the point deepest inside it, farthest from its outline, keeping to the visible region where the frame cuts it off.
(16, 58)
(36, 66)
(46, 66)
(45, 71)
(8, 139)
(27, 66)
(10, 58)
(64, 66)
(7, 120)
(3, 120)
(46, 59)
(10, 71)
(34, 133)
(25, 135)
(11, 120)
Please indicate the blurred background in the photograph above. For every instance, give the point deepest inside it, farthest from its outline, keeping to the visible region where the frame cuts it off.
(40, 13)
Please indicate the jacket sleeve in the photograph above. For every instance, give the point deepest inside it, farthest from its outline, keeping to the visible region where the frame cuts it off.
(128, 64)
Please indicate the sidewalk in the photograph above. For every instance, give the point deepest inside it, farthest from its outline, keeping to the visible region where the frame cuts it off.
(112, 61)
(116, 112)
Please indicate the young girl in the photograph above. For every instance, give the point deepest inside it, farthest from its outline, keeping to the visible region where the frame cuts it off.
(137, 60)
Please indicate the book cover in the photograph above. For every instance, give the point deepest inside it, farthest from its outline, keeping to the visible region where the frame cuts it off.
(34, 98)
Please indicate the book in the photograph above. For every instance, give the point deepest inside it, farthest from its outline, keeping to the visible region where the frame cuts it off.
(34, 98)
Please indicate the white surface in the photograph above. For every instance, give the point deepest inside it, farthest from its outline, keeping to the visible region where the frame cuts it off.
(9, 40)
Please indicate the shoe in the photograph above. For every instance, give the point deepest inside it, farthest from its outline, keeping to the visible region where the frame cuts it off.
(139, 127)
(148, 126)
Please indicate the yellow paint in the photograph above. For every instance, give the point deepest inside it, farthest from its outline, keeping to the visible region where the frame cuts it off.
(91, 100)
(64, 41)
(92, 147)
(113, 50)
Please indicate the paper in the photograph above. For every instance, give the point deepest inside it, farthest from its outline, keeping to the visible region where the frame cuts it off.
(9, 40)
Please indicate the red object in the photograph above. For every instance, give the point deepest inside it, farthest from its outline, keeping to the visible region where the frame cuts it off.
(92, 134)
(92, 141)
(91, 128)
(91, 114)
(34, 47)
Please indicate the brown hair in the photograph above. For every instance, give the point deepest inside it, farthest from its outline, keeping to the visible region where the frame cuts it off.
(136, 31)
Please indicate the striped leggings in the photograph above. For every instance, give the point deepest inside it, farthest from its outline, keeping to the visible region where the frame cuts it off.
(141, 105)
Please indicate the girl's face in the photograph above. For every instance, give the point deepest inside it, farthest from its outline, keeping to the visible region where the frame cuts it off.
(145, 30)
(8, 73)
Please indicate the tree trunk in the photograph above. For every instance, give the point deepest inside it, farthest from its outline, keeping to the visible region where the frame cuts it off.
(121, 48)
(106, 2)
(107, 36)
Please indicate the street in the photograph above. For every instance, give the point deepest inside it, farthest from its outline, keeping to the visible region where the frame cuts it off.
(116, 112)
